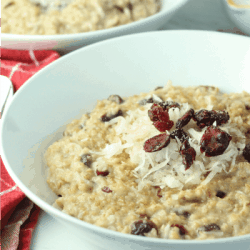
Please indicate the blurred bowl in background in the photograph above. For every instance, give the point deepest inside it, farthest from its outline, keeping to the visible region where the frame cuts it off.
(68, 42)
(239, 13)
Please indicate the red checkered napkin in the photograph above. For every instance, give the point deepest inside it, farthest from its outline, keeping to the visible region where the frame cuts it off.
(18, 214)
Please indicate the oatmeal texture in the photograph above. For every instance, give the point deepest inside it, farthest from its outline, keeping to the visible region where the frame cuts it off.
(27, 17)
(105, 191)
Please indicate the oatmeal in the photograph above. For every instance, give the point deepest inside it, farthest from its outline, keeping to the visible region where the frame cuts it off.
(172, 163)
(76, 16)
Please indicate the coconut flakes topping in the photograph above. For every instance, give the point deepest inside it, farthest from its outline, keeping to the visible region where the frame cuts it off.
(165, 168)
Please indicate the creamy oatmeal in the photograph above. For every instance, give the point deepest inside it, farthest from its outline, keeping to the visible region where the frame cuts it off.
(29, 17)
(172, 163)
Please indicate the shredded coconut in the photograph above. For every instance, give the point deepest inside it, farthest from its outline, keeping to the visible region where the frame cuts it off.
(164, 168)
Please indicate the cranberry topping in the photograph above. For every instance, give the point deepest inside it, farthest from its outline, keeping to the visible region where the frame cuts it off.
(207, 118)
(144, 216)
(248, 133)
(9, 4)
(158, 192)
(246, 152)
(207, 173)
(159, 87)
(130, 6)
(220, 194)
(106, 118)
(102, 173)
(150, 100)
(160, 118)
(156, 113)
(119, 8)
(182, 229)
(221, 117)
(169, 104)
(204, 118)
(247, 107)
(185, 119)
(115, 98)
(87, 160)
(106, 190)
(163, 126)
(214, 141)
(180, 134)
(211, 227)
(188, 154)
(59, 195)
(140, 228)
(186, 214)
(156, 143)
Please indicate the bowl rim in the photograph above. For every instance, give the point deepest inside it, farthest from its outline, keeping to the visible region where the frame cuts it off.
(55, 212)
(98, 33)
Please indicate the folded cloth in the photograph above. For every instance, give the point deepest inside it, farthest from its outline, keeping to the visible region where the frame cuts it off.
(18, 214)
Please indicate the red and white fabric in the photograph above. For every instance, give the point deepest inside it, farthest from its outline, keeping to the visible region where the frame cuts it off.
(18, 214)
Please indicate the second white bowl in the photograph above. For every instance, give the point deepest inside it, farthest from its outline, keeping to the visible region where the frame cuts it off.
(66, 43)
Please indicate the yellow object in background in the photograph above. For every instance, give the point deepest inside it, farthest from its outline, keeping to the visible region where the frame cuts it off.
(239, 3)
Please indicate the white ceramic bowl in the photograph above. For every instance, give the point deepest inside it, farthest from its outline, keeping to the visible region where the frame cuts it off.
(125, 66)
(66, 43)
(239, 14)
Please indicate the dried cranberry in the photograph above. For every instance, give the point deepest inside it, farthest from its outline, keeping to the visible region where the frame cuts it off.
(186, 214)
(247, 107)
(158, 192)
(180, 134)
(207, 118)
(59, 195)
(246, 152)
(144, 216)
(9, 4)
(169, 104)
(149, 100)
(163, 126)
(140, 228)
(87, 160)
(221, 117)
(248, 133)
(102, 173)
(156, 143)
(194, 200)
(214, 141)
(188, 154)
(211, 227)
(106, 190)
(207, 173)
(160, 87)
(204, 118)
(130, 6)
(106, 118)
(119, 8)
(220, 194)
(185, 119)
(207, 87)
(156, 113)
(115, 98)
(182, 229)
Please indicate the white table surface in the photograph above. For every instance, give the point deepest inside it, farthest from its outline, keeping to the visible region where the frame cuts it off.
(195, 15)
